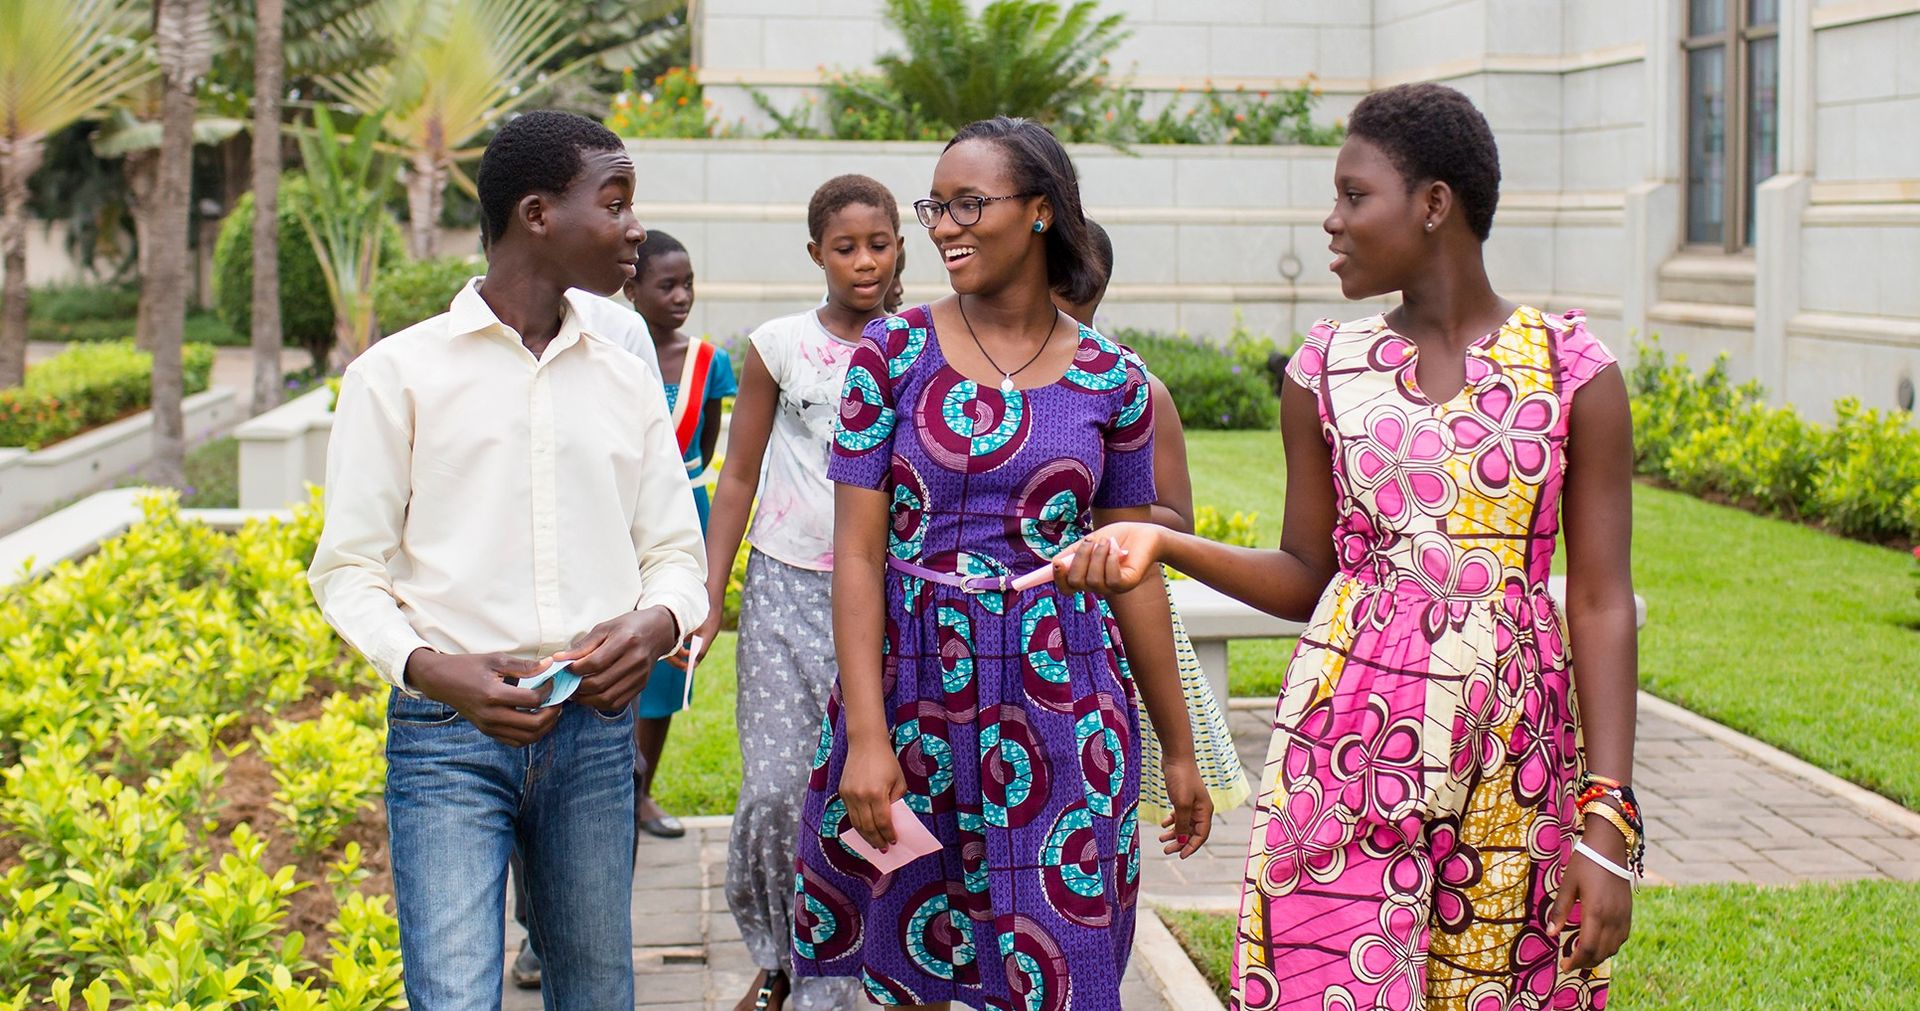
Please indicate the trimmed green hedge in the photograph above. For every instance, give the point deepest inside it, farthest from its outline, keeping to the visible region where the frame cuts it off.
(105, 311)
(1859, 476)
(1216, 386)
(409, 291)
(87, 386)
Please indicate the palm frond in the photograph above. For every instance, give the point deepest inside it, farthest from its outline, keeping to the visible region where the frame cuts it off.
(460, 65)
(1017, 57)
(64, 61)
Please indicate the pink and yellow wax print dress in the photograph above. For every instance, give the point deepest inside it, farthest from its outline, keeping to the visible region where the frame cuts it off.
(1417, 807)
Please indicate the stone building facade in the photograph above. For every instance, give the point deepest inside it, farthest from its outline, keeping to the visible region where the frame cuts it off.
(1738, 176)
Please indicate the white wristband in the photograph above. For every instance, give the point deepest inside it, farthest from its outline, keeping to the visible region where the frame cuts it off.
(1609, 866)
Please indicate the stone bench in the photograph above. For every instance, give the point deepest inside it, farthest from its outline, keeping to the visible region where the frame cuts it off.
(1214, 619)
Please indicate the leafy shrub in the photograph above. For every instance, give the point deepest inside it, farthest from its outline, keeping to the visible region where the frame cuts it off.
(306, 311)
(409, 291)
(85, 386)
(674, 106)
(1757, 455)
(1870, 467)
(1016, 57)
(857, 107)
(1032, 59)
(125, 674)
(329, 769)
(1859, 476)
(1211, 116)
(1215, 386)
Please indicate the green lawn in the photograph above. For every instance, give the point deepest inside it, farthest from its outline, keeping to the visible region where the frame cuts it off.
(1805, 640)
(1726, 947)
(700, 769)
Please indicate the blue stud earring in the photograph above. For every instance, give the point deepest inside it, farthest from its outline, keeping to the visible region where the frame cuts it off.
(1039, 226)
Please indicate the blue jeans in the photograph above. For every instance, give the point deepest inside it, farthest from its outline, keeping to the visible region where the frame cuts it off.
(460, 803)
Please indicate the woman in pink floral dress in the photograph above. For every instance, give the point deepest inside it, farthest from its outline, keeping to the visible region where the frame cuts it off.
(1445, 817)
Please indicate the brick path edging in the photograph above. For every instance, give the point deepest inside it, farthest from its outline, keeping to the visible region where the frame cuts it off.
(1880, 808)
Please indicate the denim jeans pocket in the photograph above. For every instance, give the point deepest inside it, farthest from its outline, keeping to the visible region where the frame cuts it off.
(612, 715)
(419, 712)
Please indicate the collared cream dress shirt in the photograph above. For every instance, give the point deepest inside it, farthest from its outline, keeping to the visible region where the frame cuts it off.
(479, 500)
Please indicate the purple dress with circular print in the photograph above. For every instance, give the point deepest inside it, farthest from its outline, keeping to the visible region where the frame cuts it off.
(1012, 714)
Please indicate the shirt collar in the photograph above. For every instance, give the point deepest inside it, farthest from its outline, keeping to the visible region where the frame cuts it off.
(470, 314)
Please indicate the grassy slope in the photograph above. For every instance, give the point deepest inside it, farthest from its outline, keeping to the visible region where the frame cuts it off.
(1731, 947)
(1802, 639)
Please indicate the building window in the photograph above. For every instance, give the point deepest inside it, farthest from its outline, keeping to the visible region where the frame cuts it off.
(1733, 115)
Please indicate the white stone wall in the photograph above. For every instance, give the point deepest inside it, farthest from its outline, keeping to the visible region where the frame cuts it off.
(1856, 328)
(1199, 233)
(781, 47)
(1587, 100)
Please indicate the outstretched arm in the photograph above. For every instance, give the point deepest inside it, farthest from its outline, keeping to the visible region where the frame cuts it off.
(1286, 582)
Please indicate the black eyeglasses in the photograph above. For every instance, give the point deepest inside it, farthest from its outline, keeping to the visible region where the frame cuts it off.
(965, 209)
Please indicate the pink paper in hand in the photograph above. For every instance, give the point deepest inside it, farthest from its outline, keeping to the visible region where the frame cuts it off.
(913, 841)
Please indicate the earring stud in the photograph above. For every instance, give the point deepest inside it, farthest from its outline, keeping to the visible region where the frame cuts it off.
(1039, 226)
(1429, 226)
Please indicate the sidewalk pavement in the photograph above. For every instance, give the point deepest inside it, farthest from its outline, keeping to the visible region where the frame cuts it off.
(687, 953)
(1716, 812)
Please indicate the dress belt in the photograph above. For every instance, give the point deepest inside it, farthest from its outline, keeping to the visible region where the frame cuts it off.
(974, 583)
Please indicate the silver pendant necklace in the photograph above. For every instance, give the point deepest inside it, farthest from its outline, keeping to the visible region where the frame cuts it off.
(1006, 378)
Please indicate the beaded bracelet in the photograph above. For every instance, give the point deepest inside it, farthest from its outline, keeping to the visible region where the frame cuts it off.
(1615, 803)
(1636, 840)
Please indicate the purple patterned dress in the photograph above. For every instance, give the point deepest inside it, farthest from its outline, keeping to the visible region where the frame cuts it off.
(1012, 714)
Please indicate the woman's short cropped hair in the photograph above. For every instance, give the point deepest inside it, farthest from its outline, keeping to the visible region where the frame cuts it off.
(1431, 131)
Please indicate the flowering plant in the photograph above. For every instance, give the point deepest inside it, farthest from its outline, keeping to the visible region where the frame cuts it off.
(672, 105)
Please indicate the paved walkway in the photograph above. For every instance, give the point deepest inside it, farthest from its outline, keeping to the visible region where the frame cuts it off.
(1716, 814)
(687, 954)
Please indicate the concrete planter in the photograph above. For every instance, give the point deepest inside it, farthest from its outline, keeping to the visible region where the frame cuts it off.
(284, 450)
(32, 481)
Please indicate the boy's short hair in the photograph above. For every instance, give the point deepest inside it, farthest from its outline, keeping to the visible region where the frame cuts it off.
(658, 243)
(534, 152)
(845, 191)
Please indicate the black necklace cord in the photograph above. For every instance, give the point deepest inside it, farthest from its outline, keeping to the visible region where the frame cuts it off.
(1006, 381)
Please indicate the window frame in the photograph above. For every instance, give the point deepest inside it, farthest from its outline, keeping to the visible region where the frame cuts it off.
(1737, 35)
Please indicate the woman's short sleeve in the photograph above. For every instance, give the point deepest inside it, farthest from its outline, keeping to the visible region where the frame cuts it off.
(863, 432)
(721, 382)
(1581, 355)
(1126, 471)
(1309, 363)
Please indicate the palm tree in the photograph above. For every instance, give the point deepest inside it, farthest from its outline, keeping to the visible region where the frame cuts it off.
(460, 65)
(183, 40)
(269, 67)
(60, 62)
(132, 132)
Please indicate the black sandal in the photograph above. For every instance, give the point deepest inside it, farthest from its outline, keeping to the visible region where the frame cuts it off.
(763, 997)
